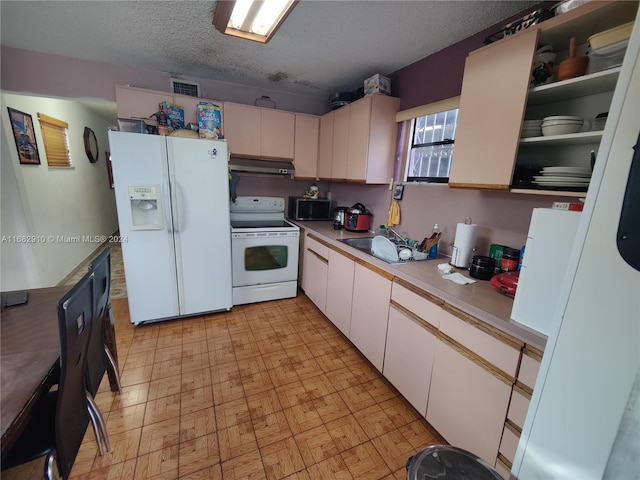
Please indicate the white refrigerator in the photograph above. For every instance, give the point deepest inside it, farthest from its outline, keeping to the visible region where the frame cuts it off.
(172, 198)
(584, 414)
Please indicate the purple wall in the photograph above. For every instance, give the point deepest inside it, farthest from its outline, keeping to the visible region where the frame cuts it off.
(439, 76)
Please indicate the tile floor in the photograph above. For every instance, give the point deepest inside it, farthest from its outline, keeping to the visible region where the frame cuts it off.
(118, 282)
(266, 391)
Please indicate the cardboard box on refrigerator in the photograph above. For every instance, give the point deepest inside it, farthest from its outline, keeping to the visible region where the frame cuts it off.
(174, 113)
(377, 84)
(209, 121)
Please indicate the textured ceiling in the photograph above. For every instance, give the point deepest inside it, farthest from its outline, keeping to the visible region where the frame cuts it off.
(322, 47)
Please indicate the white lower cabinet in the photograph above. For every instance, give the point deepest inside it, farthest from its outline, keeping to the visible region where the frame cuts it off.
(467, 403)
(369, 313)
(408, 357)
(340, 291)
(456, 371)
(315, 271)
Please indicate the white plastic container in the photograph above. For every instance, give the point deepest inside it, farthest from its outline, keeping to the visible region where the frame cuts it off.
(610, 56)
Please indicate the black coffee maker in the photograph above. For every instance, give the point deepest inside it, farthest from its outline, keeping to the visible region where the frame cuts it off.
(339, 217)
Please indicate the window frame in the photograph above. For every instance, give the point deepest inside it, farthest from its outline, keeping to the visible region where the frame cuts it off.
(408, 118)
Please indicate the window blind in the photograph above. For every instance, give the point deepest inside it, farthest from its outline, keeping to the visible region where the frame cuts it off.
(56, 143)
(429, 109)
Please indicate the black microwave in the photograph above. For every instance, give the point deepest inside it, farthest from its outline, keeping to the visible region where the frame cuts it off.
(310, 209)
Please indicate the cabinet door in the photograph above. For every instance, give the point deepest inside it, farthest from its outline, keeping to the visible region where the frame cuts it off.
(383, 135)
(314, 279)
(277, 133)
(138, 103)
(241, 128)
(467, 404)
(369, 313)
(494, 91)
(325, 147)
(359, 130)
(305, 156)
(340, 143)
(408, 357)
(340, 291)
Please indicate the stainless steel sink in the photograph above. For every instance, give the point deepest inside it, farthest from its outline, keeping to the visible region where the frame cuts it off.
(361, 243)
(364, 245)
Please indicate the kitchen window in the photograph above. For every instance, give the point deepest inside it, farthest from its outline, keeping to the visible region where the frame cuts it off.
(56, 141)
(430, 132)
(431, 147)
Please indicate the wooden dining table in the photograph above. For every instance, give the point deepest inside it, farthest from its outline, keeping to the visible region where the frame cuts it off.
(29, 357)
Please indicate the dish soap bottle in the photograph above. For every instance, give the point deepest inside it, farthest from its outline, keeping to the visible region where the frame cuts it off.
(433, 251)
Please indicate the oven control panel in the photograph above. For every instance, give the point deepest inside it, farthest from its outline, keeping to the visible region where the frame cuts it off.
(258, 204)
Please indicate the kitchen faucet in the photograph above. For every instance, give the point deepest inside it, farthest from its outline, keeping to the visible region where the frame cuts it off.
(400, 239)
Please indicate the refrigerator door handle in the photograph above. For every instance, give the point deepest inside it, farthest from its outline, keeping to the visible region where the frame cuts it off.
(176, 201)
(168, 208)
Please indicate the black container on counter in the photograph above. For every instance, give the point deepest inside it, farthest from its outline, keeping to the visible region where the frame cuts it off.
(482, 267)
(510, 259)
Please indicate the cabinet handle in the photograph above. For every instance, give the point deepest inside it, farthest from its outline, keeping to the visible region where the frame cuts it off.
(320, 257)
(481, 362)
(414, 318)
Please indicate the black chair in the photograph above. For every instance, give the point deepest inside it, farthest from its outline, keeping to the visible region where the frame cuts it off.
(99, 356)
(60, 418)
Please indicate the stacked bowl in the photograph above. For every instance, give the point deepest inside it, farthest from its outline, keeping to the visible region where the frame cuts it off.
(561, 125)
(531, 128)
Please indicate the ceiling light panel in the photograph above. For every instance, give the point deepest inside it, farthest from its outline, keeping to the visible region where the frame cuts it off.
(251, 19)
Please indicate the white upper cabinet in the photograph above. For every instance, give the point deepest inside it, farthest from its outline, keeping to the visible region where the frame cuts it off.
(358, 141)
(259, 132)
(305, 156)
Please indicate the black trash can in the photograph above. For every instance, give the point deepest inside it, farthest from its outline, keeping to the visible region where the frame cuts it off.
(444, 462)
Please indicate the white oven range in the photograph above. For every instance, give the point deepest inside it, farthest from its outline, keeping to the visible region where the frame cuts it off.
(264, 250)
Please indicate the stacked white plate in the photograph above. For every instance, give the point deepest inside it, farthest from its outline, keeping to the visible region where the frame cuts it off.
(561, 125)
(531, 128)
(563, 177)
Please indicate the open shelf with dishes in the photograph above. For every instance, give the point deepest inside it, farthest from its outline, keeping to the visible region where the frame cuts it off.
(578, 101)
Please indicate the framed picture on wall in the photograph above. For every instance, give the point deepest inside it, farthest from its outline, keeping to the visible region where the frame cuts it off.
(109, 170)
(25, 137)
(398, 190)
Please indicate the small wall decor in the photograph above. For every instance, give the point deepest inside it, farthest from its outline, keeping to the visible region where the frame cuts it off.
(90, 144)
(25, 137)
(398, 190)
(109, 170)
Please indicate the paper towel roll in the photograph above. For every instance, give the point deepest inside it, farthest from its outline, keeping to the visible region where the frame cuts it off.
(463, 244)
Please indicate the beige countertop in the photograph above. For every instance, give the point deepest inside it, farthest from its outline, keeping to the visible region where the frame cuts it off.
(480, 300)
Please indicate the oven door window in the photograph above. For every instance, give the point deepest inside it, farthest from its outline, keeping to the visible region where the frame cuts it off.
(266, 257)
(263, 260)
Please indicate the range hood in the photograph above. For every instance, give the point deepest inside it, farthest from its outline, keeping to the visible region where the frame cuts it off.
(254, 165)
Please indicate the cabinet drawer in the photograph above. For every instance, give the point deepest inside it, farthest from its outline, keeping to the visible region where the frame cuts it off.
(416, 304)
(528, 371)
(509, 443)
(493, 349)
(319, 248)
(518, 407)
(503, 469)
